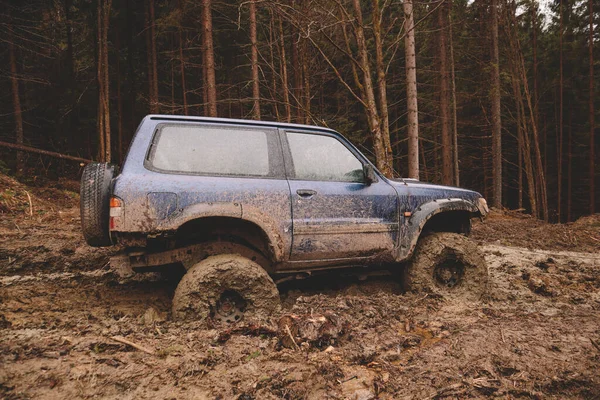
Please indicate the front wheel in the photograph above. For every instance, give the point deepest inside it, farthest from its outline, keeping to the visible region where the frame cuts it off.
(227, 288)
(449, 265)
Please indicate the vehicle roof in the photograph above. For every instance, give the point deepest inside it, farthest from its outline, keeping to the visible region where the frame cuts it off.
(275, 124)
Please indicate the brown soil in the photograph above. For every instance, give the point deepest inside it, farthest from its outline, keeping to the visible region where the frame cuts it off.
(537, 336)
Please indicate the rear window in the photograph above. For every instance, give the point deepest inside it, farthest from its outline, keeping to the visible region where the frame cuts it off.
(210, 150)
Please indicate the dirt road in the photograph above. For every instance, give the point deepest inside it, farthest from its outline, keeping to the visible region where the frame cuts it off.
(64, 315)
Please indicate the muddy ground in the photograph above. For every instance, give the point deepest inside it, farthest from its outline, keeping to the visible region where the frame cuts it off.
(536, 336)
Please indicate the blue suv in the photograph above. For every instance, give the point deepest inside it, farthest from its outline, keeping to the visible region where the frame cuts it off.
(240, 203)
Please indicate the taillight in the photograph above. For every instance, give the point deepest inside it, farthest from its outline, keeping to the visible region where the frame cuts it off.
(116, 213)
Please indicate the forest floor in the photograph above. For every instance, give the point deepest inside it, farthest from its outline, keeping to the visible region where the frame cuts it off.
(537, 335)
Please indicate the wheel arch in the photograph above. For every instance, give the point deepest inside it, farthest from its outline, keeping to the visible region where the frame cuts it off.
(237, 230)
(444, 215)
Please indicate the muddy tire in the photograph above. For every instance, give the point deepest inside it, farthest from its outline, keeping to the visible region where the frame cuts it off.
(226, 288)
(449, 265)
(94, 203)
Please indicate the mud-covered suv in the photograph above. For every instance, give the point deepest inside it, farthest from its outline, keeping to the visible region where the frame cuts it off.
(240, 203)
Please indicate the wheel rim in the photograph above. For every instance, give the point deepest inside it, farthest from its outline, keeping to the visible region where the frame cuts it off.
(449, 272)
(230, 307)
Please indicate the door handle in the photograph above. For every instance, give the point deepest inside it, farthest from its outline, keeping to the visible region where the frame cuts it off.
(306, 193)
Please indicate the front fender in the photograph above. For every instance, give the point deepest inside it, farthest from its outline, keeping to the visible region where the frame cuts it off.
(413, 226)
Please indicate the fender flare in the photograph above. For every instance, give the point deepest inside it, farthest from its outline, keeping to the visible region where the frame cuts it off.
(411, 231)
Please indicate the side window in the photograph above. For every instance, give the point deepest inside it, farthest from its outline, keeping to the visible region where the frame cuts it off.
(323, 158)
(211, 150)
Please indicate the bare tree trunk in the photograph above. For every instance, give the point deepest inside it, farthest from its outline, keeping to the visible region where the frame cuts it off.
(592, 179)
(210, 80)
(570, 166)
(181, 59)
(152, 66)
(382, 85)
(559, 142)
(107, 133)
(383, 163)
(305, 81)
(273, 43)
(103, 18)
(16, 97)
(411, 92)
(447, 178)
(255, 79)
(298, 82)
(524, 145)
(454, 105)
(540, 182)
(119, 101)
(100, 79)
(284, 73)
(496, 119)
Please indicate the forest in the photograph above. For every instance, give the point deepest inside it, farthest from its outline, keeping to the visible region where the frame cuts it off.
(499, 96)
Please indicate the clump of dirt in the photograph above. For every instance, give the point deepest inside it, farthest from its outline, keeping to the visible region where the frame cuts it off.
(511, 228)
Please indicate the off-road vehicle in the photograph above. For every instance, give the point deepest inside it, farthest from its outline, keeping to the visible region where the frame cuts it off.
(240, 203)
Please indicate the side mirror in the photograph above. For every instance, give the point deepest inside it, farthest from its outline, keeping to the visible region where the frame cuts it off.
(369, 173)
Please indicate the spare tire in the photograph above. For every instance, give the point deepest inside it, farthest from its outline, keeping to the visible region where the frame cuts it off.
(94, 203)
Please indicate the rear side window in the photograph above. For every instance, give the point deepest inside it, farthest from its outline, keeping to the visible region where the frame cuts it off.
(212, 150)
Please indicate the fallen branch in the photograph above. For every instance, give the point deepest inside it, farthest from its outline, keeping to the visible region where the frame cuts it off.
(134, 345)
(30, 203)
(54, 154)
(287, 329)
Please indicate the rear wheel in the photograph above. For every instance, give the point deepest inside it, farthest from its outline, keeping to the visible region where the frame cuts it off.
(447, 264)
(226, 288)
(94, 203)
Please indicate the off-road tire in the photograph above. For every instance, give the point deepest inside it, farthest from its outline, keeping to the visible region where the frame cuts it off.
(94, 203)
(449, 265)
(198, 293)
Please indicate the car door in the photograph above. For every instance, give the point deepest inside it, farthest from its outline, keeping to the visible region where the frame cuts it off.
(336, 214)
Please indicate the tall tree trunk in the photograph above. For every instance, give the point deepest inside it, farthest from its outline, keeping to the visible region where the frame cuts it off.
(273, 42)
(524, 144)
(107, 132)
(255, 80)
(284, 72)
(559, 142)
(382, 85)
(14, 82)
(153, 68)
(592, 178)
(447, 176)
(304, 60)
(454, 105)
(210, 80)
(297, 70)
(411, 92)
(570, 166)
(382, 161)
(540, 182)
(181, 59)
(119, 101)
(496, 119)
(131, 75)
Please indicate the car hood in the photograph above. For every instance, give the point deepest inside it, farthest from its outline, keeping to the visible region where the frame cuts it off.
(414, 193)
